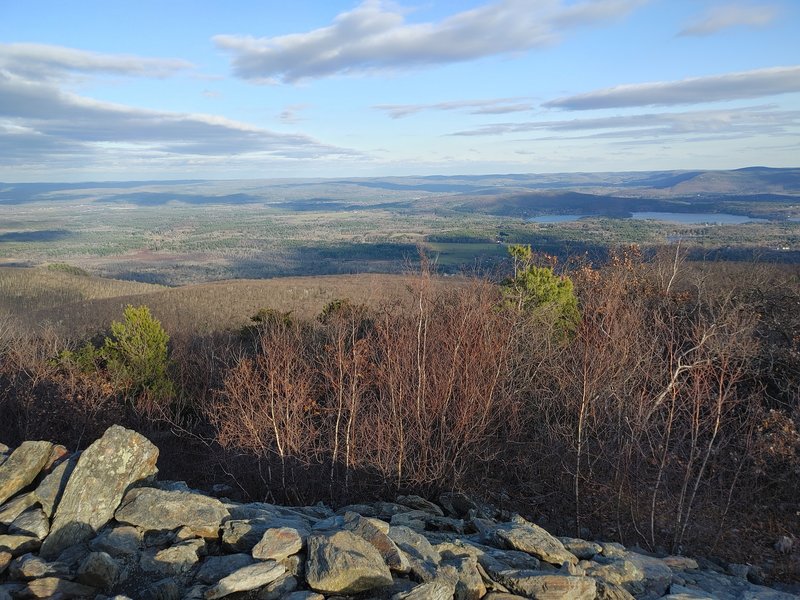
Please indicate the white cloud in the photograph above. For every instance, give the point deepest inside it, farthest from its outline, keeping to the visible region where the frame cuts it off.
(375, 37)
(726, 16)
(723, 124)
(730, 86)
(48, 62)
(496, 106)
(41, 122)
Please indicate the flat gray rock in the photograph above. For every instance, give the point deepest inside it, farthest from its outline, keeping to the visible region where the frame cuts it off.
(433, 590)
(277, 544)
(105, 471)
(421, 555)
(51, 488)
(99, 570)
(544, 586)
(528, 537)
(215, 568)
(16, 545)
(14, 508)
(31, 522)
(344, 563)
(245, 579)
(22, 467)
(153, 509)
(375, 535)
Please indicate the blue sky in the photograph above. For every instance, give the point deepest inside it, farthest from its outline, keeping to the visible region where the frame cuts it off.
(113, 89)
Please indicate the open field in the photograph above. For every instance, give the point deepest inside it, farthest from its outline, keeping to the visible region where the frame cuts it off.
(175, 233)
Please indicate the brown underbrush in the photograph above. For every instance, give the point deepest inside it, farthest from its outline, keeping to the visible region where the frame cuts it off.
(667, 419)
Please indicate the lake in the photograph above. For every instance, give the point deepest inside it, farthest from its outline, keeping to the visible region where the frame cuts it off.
(669, 217)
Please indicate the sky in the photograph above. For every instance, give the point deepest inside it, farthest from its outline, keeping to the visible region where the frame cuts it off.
(98, 90)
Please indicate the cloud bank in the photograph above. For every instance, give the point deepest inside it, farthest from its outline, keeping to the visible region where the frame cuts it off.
(497, 106)
(745, 122)
(722, 17)
(730, 86)
(43, 123)
(48, 62)
(375, 37)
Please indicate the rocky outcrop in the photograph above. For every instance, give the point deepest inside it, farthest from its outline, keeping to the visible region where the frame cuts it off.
(98, 525)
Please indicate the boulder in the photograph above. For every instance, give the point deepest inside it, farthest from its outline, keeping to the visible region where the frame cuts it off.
(422, 557)
(581, 548)
(344, 563)
(303, 595)
(277, 544)
(122, 540)
(51, 488)
(528, 537)
(419, 503)
(16, 545)
(104, 472)
(53, 587)
(243, 535)
(99, 570)
(173, 560)
(462, 572)
(29, 566)
(544, 586)
(153, 509)
(14, 508)
(278, 589)
(371, 531)
(433, 590)
(215, 568)
(657, 575)
(31, 522)
(245, 579)
(22, 467)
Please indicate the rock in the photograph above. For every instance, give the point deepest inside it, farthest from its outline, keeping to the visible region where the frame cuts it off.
(242, 536)
(173, 560)
(581, 548)
(612, 550)
(154, 509)
(680, 563)
(278, 589)
(215, 568)
(122, 540)
(414, 519)
(19, 544)
(22, 467)
(365, 510)
(31, 522)
(462, 573)
(277, 544)
(99, 570)
(50, 490)
(617, 571)
(344, 563)
(528, 537)
(457, 505)
(502, 596)
(419, 503)
(5, 560)
(542, 586)
(433, 590)
(14, 508)
(105, 471)
(50, 587)
(164, 589)
(246, 579)
(30, 566)
(657, 575)
(369, 530)
(609, 591)
(422, 557)
(303, 596)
